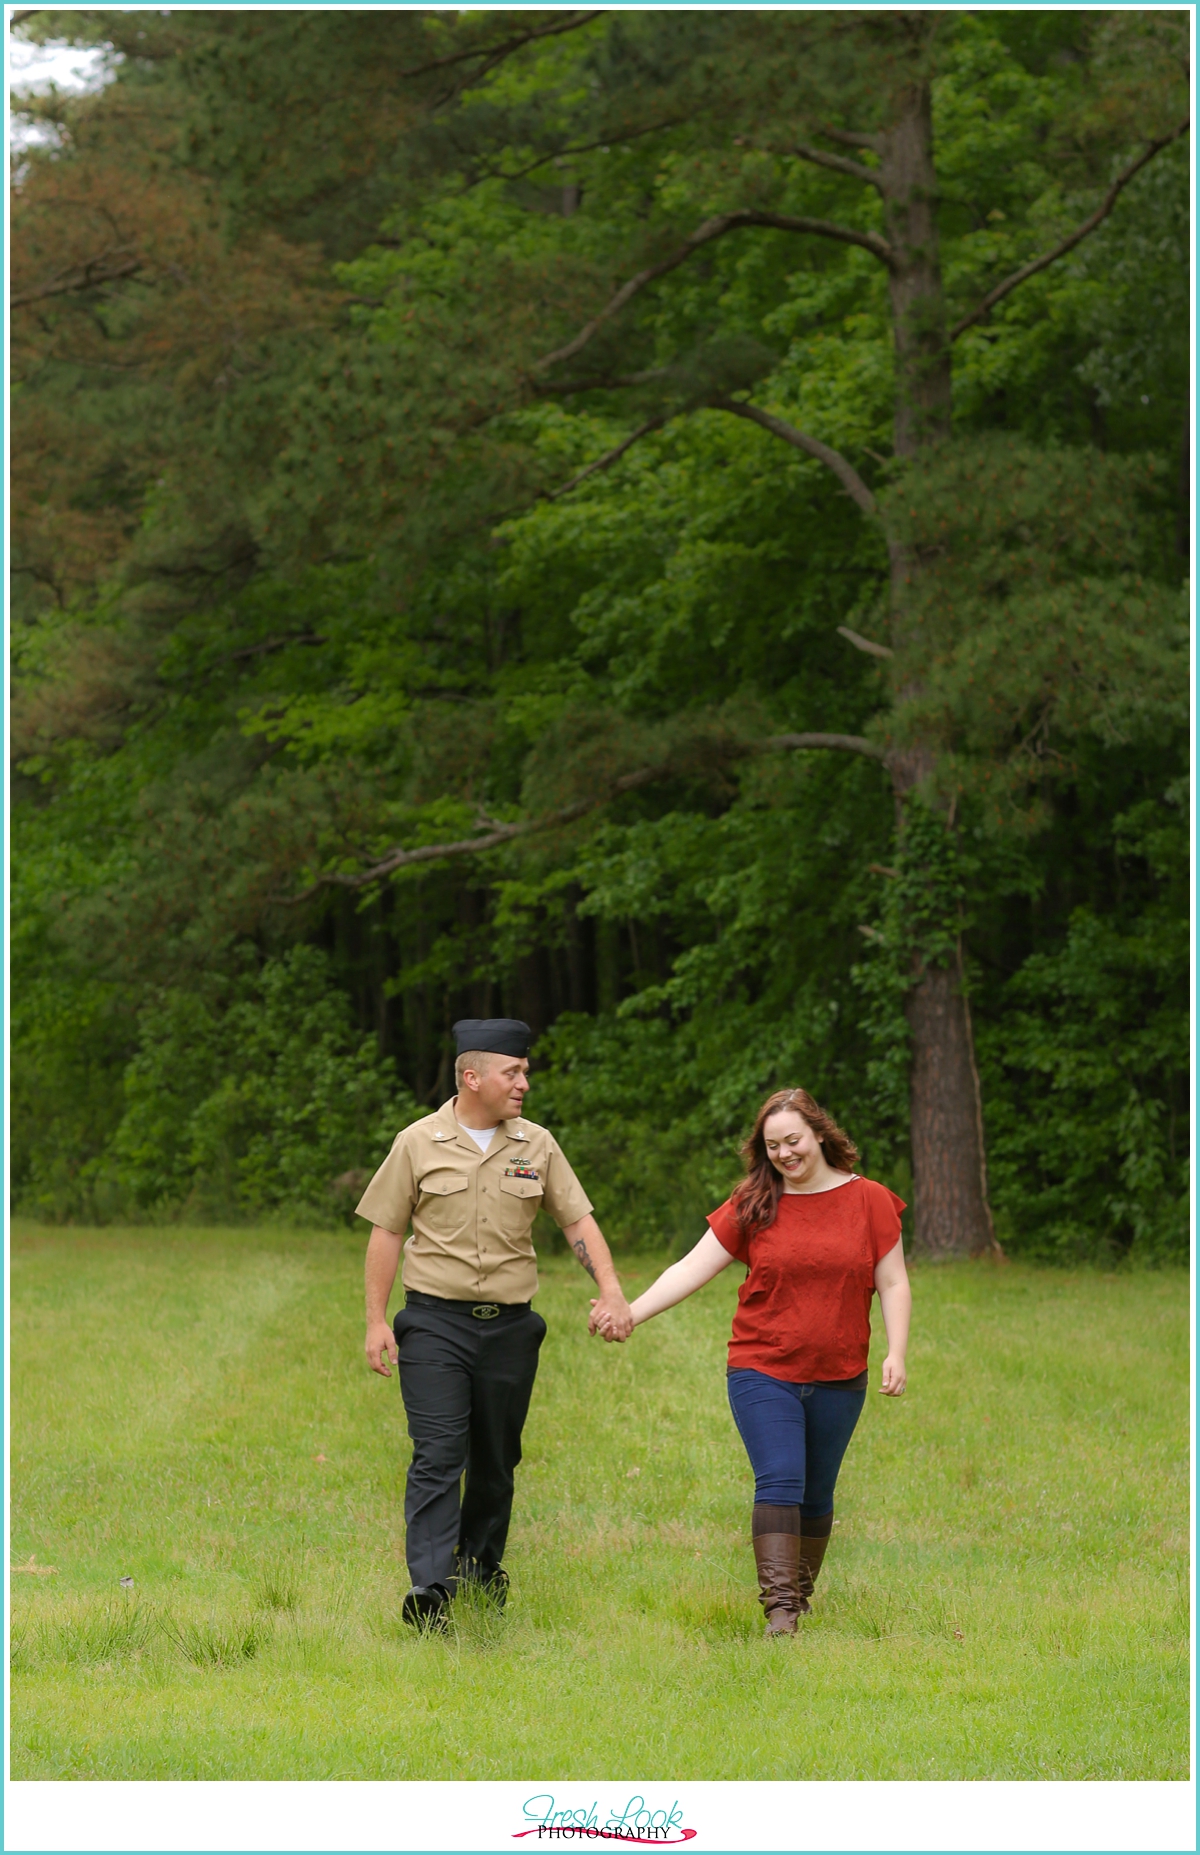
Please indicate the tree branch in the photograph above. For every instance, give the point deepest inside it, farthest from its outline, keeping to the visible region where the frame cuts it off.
(825, 454)
(704, 235)
(849, 478)
(837, 163)
(605, 383)
(496, 51)
(628, 782)
(849, 138)
(561, 154)
(459, 82)
(610, 457)
(267, 646)
(499, 834)
(843, 743)
(107, 268)
(1101, 213)
(865, 644)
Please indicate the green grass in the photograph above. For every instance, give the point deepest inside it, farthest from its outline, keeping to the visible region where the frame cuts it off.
(1005, 1595)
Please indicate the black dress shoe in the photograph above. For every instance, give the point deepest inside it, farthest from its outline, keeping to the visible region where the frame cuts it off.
(425, 1607)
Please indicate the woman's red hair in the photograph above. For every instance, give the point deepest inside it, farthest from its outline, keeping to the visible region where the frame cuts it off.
(756, 1199)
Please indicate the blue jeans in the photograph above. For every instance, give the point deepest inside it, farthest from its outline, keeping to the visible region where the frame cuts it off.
(795, 1437)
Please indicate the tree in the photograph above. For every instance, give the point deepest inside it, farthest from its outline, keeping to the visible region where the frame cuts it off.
(888, 124)
(511, 339)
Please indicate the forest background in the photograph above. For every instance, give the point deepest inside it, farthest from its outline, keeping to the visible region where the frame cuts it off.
(377, 662)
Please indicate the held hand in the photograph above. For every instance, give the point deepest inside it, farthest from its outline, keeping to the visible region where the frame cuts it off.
(611, 1316)
(894, 1376)
(600, 1321)
(381, 1346)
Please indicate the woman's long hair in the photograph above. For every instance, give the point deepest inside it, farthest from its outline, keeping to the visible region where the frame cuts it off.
(756, 1199)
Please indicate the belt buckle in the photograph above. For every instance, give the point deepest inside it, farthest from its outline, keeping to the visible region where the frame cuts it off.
(484, 1310)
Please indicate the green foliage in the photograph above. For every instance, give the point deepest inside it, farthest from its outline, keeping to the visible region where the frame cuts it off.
(265, 1105)
(1085, 1074)
(300, 582)
(1041, 614)
(656, 1097)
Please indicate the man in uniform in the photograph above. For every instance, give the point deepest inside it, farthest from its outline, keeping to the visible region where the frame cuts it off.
(470, 1179)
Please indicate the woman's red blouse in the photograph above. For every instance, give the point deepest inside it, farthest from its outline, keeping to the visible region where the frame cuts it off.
(804, 1309)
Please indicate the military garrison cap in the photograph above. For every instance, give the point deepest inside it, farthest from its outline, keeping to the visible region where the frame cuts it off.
(501, 1036)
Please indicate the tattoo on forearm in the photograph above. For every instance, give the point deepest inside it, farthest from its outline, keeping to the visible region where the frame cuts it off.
(581, 1250)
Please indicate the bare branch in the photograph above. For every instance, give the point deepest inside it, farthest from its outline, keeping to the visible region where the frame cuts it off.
(865, 644)
(268, 645)
(108, 267)
(704, 235)
(779, 428)
(628, 782)
(459, 82)
(501, 50)
(842, 469)
(500, 834)
(604, 383)
(610, 457)
(561, 154)
(1101, 213)
(849, 138)
(843, 743)
(838, 164)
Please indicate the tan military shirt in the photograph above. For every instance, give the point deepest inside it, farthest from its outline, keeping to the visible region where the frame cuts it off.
(472, 1212)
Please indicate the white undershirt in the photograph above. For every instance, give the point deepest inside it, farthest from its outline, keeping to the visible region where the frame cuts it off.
(482, 1136)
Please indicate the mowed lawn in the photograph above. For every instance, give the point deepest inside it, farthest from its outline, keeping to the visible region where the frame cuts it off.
(1005, 1595)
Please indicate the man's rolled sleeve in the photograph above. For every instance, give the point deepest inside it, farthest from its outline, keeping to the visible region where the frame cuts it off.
(563, 1196)
(392, 1193)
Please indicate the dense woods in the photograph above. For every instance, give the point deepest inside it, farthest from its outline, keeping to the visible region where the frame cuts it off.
(670, 525)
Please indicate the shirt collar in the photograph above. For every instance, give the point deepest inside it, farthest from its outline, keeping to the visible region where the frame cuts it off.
(448, 1128)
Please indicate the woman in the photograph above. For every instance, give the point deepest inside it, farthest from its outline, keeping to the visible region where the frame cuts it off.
(817, 1240)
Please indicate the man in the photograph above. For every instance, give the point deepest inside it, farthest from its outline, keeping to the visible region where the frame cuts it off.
(470, 1178)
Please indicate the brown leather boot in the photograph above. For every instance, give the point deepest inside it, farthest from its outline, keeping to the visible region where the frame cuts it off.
(777, 1557)
(812, 1556)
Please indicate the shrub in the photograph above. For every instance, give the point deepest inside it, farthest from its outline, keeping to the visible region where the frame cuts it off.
(258, 1107)
(1084, 1081)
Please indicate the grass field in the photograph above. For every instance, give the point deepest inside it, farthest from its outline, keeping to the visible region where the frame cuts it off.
(1005, 1595)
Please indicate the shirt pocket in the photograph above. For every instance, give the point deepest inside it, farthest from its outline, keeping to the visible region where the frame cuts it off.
(441, 1184)
(522, 1188)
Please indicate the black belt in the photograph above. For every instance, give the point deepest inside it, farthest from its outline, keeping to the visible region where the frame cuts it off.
(481, 1310)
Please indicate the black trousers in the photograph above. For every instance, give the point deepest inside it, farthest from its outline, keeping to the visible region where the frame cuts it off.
(466, 1385)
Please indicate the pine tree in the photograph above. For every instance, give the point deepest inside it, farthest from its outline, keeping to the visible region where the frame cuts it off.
(595, 219)
(851, 95)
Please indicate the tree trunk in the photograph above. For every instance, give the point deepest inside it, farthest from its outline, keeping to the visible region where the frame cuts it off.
(951, 1211)
(950, 1207)
(909, 186)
